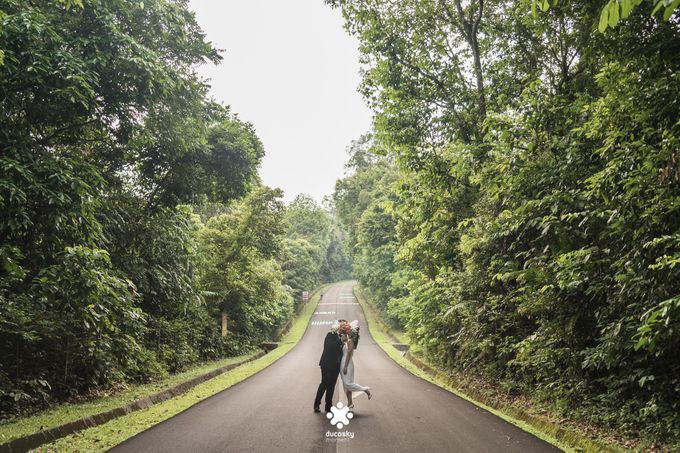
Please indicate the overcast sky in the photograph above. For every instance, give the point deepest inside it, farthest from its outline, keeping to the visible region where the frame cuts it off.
(292, 71)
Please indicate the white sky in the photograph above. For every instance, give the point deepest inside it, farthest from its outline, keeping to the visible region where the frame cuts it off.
(291, 70)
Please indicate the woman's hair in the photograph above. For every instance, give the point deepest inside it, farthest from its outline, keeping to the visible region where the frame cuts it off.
(355, 338)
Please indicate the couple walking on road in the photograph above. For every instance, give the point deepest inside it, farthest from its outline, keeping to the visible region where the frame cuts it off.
(338, 349)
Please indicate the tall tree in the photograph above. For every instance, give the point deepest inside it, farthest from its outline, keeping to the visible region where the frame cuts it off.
(532, 228)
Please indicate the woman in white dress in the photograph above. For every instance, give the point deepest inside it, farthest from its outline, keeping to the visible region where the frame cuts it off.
(350, 340)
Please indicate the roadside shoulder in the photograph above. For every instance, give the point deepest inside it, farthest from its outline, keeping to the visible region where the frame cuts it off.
(98, 431)
(540, 426)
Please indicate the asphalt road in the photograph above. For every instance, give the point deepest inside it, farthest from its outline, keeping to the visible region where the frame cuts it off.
(272, 410)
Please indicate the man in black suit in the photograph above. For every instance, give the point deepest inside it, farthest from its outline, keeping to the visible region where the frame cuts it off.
(330, 368)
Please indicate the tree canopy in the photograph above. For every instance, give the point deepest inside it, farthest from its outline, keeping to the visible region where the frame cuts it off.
(132, 210)
(519, 215)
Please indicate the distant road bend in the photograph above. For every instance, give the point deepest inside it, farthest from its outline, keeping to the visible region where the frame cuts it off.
(272, 410)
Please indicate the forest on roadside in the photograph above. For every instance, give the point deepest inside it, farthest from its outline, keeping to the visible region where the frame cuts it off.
(132, 214)
(516, 208)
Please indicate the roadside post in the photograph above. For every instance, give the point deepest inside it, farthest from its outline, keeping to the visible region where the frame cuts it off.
(225, 318)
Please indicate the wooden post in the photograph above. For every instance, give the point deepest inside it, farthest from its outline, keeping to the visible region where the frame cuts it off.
(224, 324)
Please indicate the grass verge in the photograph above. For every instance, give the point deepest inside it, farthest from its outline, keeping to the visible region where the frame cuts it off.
(108, 435)
(540, 426)
(68, 412)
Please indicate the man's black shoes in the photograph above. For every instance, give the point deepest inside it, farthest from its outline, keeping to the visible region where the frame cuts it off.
(316, 409)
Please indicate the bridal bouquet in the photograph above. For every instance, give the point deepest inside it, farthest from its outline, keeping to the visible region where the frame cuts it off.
(345, 328)
(349, 328)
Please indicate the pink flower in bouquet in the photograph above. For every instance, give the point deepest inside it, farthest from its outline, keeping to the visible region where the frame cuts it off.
(344, 328)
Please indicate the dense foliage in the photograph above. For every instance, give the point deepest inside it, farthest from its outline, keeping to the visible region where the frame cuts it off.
(314, 250)
(520, 213)
(132, 212)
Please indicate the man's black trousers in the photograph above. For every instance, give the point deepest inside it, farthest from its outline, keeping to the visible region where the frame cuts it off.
(329, 376)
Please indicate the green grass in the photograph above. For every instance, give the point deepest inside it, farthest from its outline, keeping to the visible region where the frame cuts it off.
(66, 412)
(106, 436)
(553, 433)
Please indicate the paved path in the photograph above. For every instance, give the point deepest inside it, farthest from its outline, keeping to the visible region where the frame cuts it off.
(272, 410)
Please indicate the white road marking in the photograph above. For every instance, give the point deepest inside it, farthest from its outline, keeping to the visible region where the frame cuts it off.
(321, 323)
(340, 303)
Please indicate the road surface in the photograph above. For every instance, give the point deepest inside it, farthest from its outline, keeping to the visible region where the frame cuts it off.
(272, 410)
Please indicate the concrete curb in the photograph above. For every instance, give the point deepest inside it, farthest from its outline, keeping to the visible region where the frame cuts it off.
(25, 443)
(420, 364)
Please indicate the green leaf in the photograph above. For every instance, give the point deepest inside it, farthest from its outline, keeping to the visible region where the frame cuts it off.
(670, 9)
(604, 18)
(626, 8)
(613, 14)
(545, 6)
(645, 379)
(658, 6)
